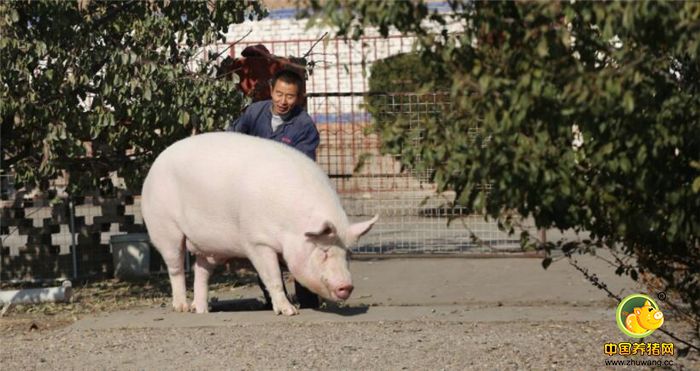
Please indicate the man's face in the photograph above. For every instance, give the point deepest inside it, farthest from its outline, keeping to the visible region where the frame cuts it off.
(284, 97)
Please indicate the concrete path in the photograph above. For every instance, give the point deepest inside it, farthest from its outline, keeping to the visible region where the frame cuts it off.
(446, 289)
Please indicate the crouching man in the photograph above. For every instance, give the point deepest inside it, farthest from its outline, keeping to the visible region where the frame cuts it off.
(282, 119)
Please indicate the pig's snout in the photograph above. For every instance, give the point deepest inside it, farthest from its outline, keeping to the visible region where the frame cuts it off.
(344, 292)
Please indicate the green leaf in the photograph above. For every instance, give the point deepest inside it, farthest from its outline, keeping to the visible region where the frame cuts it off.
(628, 102)
(546, 262)
(184, 118)
(542, 48)
(696, 185)
(625, 164)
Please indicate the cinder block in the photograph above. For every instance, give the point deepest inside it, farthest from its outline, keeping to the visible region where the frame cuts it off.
(112, 209)
(133, 228)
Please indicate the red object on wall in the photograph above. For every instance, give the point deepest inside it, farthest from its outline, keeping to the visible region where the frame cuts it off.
(255, 68)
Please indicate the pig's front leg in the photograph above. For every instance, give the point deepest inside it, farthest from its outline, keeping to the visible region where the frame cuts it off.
(203, 268)
(265, 261)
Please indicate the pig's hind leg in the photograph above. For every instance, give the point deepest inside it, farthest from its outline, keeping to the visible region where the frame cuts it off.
(203, 268)
(172, 248)
(266, 263)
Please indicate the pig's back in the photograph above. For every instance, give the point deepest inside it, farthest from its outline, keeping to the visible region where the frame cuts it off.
(234, 152)
(224, 184)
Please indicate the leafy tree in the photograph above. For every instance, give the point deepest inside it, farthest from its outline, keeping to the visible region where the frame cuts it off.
(395, 75)
(591, 111)
(402, 73)
(95, 87)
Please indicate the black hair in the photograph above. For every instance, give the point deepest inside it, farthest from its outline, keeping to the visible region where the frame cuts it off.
(288, 76)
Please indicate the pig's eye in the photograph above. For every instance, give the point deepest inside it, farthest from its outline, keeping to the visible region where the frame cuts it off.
(325, 254)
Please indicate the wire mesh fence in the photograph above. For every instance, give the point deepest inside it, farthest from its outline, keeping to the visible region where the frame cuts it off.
(414, 217)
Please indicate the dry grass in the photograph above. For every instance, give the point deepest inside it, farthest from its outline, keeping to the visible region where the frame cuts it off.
(90, 298)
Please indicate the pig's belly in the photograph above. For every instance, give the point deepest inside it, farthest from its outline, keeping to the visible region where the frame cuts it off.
(218, 252)
(214, 239)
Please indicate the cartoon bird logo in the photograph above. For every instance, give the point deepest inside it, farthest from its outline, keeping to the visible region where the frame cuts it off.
(637, 320)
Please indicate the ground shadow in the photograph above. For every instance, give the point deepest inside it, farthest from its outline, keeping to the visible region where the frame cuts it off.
(237, 305)
(344, 311)
(252, 304)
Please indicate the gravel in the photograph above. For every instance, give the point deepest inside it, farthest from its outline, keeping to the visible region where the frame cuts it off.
(420, 314)
(395, 345)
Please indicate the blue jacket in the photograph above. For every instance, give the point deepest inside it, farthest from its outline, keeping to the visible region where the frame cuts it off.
(297, 129)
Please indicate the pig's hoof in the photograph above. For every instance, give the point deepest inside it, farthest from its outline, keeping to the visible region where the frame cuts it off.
(181, 307)
(194, 308)
(286, 309)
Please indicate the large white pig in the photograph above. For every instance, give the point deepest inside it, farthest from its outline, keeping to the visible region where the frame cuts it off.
(227, 195)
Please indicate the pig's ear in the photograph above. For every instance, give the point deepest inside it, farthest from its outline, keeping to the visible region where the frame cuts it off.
(358, 229)
(324, 229)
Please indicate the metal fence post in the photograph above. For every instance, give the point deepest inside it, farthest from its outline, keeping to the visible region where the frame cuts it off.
(73, 248)
(1, 260)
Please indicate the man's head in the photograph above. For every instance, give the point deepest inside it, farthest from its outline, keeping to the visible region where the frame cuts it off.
(285, 90)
